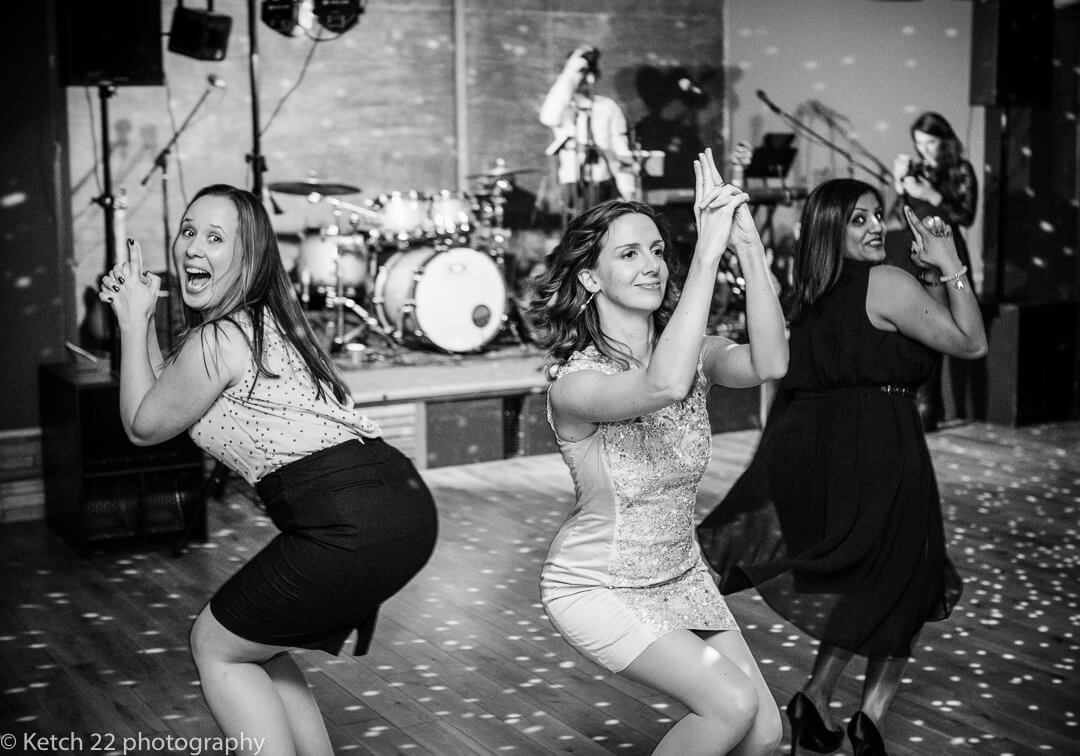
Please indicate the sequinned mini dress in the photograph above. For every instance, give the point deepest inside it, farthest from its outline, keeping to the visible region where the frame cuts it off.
(625, 567)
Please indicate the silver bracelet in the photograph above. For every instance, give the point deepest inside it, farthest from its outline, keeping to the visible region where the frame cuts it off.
(954, 279)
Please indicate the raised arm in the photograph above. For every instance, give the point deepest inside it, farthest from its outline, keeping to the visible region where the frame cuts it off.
(582, 399)
(562, 90)
(765, 357)
(948, 320)
(157, 404)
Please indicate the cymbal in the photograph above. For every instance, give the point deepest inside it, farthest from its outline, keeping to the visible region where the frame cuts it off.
(500, 171)
(318, 186)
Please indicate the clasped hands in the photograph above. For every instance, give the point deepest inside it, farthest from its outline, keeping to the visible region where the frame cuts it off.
(933, 246)
(131, 291)
(721, 211)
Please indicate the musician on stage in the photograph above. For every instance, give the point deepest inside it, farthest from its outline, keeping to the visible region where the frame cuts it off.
(591, 146)
(938, 180)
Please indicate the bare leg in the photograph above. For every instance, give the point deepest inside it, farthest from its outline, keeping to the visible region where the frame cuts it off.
(731, 711)
(882, 680)
(767, 730)
(242, 696)
(305, 719)
(829, 665)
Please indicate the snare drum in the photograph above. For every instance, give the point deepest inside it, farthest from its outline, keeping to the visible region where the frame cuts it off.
(454, 300)
(324, 256)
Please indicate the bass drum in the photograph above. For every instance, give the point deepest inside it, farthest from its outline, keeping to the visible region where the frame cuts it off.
(454, 300)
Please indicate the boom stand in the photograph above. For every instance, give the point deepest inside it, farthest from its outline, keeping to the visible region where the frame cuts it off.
(108, 203)
(162, 162)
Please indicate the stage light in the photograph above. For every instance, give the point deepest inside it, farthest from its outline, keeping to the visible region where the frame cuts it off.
(281, 15)
(339, 16)
(203, 35)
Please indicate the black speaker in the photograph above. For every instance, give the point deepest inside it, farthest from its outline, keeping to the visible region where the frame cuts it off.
(202, 35)
(1011, 48)
(1031, 367)
(99, 487)
(109, 42)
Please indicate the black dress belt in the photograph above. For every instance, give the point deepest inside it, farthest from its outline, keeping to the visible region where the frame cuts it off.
(884, 388)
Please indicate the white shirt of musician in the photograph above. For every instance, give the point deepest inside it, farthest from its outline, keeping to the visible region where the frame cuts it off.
(571, 116)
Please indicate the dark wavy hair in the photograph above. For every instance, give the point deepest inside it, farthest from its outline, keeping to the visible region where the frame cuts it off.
(819, 255)
(951, 152)
(559, 305)
(261, 288)
(949, 174)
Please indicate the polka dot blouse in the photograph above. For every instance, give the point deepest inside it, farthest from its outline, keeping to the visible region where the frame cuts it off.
(255, 432)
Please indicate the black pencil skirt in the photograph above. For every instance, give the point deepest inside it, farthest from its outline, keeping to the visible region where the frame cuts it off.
(357, 523)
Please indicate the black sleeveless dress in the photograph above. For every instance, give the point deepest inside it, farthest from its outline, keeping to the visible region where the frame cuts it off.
(837, 521)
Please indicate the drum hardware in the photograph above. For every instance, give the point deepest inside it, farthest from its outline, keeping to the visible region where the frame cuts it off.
(500, 170)
(358, 215)
(346, 340)
(335, 265)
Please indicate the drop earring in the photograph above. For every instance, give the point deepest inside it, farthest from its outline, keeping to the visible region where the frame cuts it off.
(592, 296)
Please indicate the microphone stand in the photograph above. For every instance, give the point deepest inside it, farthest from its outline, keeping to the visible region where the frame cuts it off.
(162, 162)
(255, 157)
(827, 116)
(798, 125)
(584, 148)
(108, 203)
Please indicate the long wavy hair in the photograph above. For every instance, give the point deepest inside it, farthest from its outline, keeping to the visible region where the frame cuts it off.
(561, 309)
(819, 255)
(951, 152)
(262, 289)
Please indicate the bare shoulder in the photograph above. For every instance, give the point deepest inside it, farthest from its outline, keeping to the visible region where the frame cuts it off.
(222, 346)
(572, 383)
(890, 293)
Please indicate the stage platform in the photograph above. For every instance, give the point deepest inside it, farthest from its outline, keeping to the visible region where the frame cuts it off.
(439, 409)
(442, 409)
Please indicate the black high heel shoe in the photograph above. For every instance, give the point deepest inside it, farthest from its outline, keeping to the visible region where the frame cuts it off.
(808, 728)
(864, 736)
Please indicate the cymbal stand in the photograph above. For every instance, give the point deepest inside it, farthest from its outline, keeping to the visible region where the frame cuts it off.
(497, 236)
(340, 301)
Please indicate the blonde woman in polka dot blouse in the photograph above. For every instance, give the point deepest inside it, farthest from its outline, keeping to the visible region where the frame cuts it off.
(248, 381)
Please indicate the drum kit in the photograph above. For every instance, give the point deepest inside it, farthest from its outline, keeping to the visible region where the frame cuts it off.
(408, 268)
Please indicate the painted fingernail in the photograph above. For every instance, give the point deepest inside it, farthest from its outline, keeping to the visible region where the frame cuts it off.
(116, 288)
(130, 241)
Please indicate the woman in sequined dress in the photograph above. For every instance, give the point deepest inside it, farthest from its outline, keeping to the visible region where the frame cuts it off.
(624, 581)
(249, 383)
(837, 521)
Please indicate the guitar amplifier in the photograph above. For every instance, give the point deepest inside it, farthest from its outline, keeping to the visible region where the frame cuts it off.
(99, 487)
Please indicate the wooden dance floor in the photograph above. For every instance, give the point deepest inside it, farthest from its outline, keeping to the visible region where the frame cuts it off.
(465, 662)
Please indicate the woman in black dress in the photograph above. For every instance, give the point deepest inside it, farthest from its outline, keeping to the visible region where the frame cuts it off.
(837, 521)
(251, 386)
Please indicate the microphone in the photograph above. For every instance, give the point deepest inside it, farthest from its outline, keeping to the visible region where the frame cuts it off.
(765, 99)
(215, 81)
(592, 60)
(687, 85)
